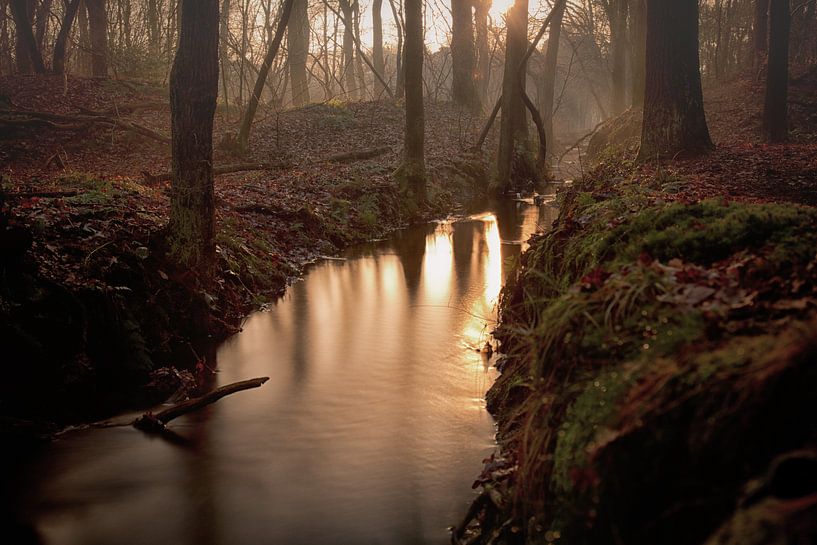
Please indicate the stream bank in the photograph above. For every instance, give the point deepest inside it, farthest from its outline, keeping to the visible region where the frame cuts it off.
(658, 376)
(92, 320)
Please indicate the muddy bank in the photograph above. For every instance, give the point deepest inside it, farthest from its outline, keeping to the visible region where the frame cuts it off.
(659, 372)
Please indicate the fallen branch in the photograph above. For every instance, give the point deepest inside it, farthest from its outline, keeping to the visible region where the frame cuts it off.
(39, 194)
(59, 121)
(225, 169)
(360, 155)
(126, 108)
(155, 423)
(580, 140)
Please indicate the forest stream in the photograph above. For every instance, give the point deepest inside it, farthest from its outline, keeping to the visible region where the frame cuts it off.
(370, 430)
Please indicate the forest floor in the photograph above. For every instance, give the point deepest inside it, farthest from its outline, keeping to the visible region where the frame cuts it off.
(83, 219)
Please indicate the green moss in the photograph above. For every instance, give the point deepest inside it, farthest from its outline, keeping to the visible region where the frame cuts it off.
(594, 408)
(709, 231)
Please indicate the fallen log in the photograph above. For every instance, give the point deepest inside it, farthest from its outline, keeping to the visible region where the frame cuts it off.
(225, 169)
(155, 423)
(71, 121)
(359, 155)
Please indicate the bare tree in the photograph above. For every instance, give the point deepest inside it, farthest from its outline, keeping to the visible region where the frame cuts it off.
(463, 56)
(412, 172)
(775, 110)
(193, 94)
(298, 42)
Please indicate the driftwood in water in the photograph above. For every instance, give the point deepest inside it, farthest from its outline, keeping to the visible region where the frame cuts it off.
(155, 423)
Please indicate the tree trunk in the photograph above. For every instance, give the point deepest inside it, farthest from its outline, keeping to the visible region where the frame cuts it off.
(298, 41)
(549, 71)
(193, 96)
(60, 46)
(377, 45)
(252, 106)
(224, 61)
(483, 76)
(84, 53)
(98, 25)
(361, 75)
(775, 110)
(761, 32)
(348, 50)
(674, 119)
(513, 129)
(412, 171)
(463, 57)
(638, 39)
(618, 46)
(397, 13)
(41, 22)
(28, 55)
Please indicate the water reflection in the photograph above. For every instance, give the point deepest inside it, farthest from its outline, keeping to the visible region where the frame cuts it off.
(369, 431)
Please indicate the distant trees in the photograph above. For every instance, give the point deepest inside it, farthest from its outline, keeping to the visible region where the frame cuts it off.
(674, 119)
(775, 110)
(193, 93)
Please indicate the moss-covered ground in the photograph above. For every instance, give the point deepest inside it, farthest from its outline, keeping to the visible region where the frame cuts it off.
(659, 356)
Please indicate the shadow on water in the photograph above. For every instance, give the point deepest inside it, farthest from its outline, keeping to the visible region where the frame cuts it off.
(370, 430)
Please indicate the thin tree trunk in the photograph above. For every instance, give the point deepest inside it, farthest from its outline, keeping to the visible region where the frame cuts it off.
(348, 50)
(84, 54)
(760, 39)
(28, 55)
(252, 106)
(298, 42)
(618, 44)
(638, 39)
(463, 56)
(193, 95)
(549, 72)
(483, 66)
(412, 171)
(224, 36)
(361, 77)
(98, 25)
(397, 13)
(41, 23)
(377, 44)
(775, 110)
(60, 46)
(674, 119)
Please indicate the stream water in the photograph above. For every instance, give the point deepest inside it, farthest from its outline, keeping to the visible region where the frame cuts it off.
(370, 430)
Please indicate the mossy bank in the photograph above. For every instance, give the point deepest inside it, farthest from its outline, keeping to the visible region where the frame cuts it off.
(658, 373)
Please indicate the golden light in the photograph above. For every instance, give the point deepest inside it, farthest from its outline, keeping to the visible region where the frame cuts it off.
(438, 263)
